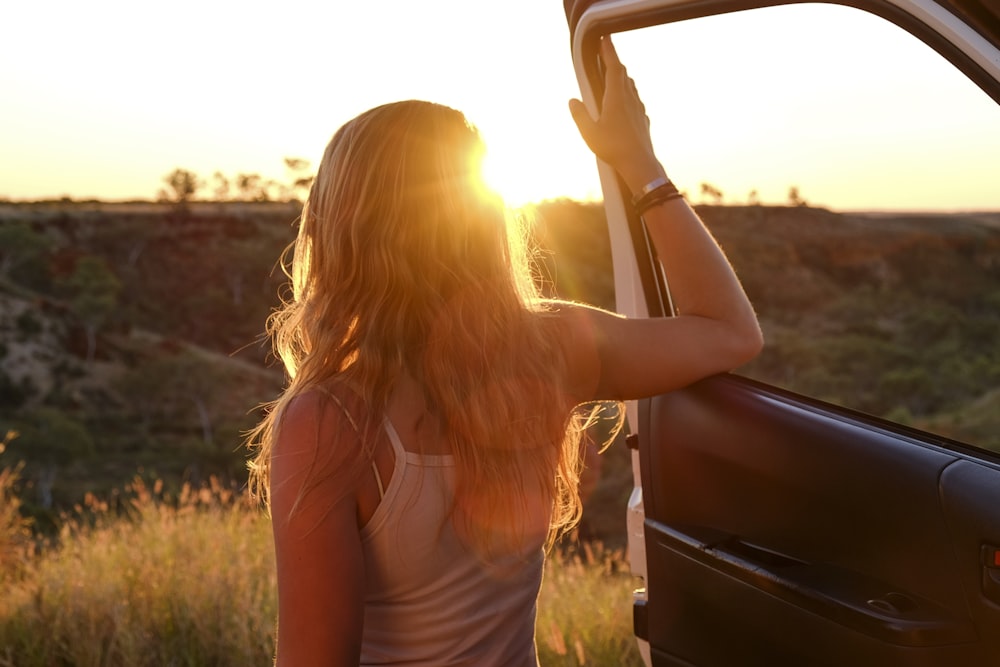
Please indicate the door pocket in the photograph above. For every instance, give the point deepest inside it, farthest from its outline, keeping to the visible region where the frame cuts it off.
(875, 608)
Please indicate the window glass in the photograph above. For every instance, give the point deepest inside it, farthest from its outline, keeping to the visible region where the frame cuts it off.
(850, 173)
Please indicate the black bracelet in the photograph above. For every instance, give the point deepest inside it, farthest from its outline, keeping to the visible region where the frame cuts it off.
(660, 192)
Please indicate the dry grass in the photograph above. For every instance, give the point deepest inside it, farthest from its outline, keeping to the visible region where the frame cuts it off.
(585, 610)
(15, 536)
(176, 581)
(189, 580)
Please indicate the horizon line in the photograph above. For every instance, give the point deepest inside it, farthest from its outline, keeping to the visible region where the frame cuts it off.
(93, 201)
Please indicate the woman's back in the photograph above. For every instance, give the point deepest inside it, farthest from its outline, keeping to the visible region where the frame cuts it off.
(429, 598)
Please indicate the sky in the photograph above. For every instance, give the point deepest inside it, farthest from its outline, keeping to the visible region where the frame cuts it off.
(102, 98)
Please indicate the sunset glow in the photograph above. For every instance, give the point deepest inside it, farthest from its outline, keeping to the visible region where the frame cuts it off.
(97, 104)
(516, 175)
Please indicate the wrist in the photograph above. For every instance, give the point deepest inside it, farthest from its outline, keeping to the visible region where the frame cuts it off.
(656, 192)
(640, 176)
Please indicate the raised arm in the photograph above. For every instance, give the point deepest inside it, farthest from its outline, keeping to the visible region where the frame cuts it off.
(715, 329)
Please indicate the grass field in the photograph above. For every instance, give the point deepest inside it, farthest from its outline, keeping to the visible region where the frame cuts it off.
(188, 579)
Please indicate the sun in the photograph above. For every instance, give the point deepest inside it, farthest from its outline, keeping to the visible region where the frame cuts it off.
(527, 162)
(503, 177)
(510, 170)
(530, 169)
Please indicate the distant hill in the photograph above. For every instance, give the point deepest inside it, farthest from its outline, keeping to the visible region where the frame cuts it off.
(130, 333)
(895, 315)
(177, 365)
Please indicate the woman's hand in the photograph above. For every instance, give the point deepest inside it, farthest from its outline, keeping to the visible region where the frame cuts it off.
(620, 135)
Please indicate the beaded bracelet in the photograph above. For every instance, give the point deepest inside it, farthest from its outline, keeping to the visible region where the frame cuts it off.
(653, 194)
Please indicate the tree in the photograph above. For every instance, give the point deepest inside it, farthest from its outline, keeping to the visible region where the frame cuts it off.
(188, 377)
(712, 192)
(220, 186)
(94, 291)
(298, 174)
(183, 186)
(240, 259)
(51, 439)
(252, 187)
(794, 198)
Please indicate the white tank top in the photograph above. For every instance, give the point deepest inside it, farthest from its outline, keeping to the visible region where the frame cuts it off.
(430, 601)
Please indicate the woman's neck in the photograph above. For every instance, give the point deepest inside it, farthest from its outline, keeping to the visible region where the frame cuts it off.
(418, 427)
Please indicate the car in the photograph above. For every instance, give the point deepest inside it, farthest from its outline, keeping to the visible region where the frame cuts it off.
(772, 527)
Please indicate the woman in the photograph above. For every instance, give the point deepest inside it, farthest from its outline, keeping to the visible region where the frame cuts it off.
(427, 444)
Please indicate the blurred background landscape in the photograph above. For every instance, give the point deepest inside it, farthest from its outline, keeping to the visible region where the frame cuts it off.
(130, 333)
(131, 361)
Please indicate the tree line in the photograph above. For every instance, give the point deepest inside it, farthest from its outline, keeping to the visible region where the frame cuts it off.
(183, 185)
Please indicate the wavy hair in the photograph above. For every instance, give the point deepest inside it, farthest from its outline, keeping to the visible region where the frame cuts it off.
(405, 263)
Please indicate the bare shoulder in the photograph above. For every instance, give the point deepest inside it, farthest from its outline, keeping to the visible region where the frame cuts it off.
(580, 333)
(314, 417)
(317, 445)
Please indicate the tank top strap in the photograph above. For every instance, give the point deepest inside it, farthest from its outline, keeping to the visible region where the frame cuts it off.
(378, 480)
(404, 457)
(397, 444)
(387, 492)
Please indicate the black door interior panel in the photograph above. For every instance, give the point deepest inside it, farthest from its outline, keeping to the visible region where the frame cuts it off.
(873, 607)
(784, 531)
(970, 494)
(700, 616)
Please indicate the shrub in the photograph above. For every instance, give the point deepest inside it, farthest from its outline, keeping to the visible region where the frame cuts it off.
(50, 435)
(28, 325)
(14, 394)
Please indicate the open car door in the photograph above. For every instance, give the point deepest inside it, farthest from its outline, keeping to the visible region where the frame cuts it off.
(776, 528)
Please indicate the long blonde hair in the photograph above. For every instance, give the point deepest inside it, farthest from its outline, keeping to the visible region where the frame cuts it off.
(405, 263)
